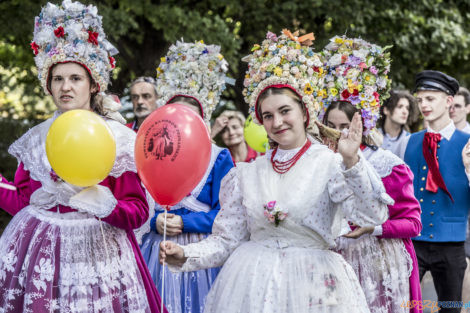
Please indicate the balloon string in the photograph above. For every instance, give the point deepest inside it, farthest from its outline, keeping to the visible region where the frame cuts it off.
(104, 239)
(163, 265)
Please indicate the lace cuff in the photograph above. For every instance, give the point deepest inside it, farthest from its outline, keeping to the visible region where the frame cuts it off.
(378, 231)
(96, 200)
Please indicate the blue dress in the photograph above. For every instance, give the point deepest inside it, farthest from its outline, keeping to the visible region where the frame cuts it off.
(186, 292)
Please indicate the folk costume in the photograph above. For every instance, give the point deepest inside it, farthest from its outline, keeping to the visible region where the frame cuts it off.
(197, 71)
(274, 231)
(442, 187)
(385, 260)
(69, 248)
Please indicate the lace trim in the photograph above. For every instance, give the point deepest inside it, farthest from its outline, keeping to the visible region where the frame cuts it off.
(382, 160)
(97, 200)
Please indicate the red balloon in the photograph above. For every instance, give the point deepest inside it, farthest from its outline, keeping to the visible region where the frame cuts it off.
(172, 152)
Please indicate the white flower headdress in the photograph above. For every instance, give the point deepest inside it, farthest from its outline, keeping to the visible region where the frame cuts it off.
(194, 70)
(358, 74)
(72, 32)
(285, 61)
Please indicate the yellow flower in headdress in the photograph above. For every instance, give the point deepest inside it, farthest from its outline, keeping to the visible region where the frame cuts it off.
(339, 40)
(308, 89)
(333, 92)
(322, 93)
(163, 59)
(278, 71)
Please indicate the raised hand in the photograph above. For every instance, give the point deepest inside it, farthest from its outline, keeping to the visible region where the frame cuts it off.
(349, 142)
(466, 156)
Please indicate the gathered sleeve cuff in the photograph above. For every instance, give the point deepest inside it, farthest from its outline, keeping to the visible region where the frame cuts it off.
(405, 213)
(361, 194)
(12, 201)
(130, 210)
(228, 232)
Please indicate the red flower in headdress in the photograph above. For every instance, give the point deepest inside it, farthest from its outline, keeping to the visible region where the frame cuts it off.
(345, 94)
(35, 48)
(356, 93)
(377, 96)
(112, 61)
(93, 37)
(59, 32)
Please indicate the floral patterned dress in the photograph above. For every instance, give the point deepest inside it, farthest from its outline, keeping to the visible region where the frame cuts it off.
(289, 267)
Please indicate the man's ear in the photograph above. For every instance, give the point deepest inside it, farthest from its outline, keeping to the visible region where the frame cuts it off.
(449, 101)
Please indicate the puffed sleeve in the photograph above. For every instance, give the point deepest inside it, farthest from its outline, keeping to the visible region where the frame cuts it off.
(228, 232)
(360, 194)
(405, 214)
(12, 201)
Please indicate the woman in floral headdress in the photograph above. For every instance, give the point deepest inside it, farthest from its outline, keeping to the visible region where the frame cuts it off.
(68, 248)
(281, 213)
(382, 256)
(192, 74)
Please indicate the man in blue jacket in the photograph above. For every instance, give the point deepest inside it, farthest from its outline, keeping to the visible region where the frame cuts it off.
(440, 160)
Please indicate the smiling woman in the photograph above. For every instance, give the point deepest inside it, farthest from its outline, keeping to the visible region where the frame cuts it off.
(281, 213)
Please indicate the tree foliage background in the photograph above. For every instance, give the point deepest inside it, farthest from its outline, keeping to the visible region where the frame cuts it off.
(425, 34)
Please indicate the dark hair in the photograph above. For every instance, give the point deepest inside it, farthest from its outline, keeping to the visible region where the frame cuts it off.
(392, 102)
(348, 109)
(465, 94)
(279, 91)
(188, 100)
(96, 101)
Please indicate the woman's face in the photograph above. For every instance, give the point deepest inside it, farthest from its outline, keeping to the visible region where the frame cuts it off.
(233, 133)
(71, 87)
(338, 120)
(284, 121)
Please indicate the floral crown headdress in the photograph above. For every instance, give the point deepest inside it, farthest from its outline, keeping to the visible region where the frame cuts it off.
(72, 32)
(194, 70)
(358, 74)
(285, 61)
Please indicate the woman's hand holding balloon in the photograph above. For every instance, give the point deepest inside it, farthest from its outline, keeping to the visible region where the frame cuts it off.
(171, 253)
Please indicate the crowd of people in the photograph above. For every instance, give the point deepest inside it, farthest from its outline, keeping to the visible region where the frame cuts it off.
(345, 212)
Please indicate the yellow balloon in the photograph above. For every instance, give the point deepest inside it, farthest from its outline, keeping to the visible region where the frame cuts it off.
(255, 135)
(81, 148)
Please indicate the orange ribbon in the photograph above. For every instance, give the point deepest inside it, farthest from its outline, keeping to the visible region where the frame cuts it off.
(305, 40)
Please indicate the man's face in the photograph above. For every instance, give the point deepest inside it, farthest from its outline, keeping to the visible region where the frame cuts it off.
(459, 109)
(144, 99)
(434, 105)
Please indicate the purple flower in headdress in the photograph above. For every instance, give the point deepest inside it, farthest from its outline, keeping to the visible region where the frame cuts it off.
(353, 60)
(354, 100)
(271, 36)
(373, 70)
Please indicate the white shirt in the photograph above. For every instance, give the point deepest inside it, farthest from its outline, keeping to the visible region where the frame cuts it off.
(466, 129)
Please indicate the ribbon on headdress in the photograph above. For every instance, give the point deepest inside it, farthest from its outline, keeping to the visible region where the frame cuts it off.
(305, 40)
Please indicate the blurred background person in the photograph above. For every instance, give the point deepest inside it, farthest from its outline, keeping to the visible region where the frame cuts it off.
(460, 108)
(398, 112)
(144, 100)
(229, 128)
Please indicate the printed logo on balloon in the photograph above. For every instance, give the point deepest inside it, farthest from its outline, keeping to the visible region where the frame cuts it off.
(162, 140)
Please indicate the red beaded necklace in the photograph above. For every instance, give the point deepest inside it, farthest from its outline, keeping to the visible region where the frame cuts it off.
(283, 167)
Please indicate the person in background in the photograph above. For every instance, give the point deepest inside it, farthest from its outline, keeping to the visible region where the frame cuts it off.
(144, 100)
(398, 112)
(439, 157)
(229, 126)
(460, 109)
